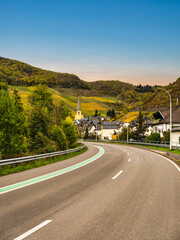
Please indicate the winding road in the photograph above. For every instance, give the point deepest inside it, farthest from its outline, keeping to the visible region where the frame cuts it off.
(113, 192)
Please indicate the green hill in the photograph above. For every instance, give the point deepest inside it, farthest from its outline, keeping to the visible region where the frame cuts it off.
(110, 87)
(21, 74)
(100, 95)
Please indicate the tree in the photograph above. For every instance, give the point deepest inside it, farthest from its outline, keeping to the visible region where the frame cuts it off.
(41, 98)
(17, 100)
(111, 113)
(60, 113)
(13, 127)
(70, 131)
(3, 85)
(96, 113)
(59, 137)
(140, 129)
(123, 134)
(86, 134)
(40, 117)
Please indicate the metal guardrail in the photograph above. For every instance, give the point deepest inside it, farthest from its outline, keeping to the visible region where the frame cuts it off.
(36, 157)
(156, 144)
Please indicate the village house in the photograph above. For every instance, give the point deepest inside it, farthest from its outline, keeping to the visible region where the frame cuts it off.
(176, 137)
(163, 120)
(108, 129)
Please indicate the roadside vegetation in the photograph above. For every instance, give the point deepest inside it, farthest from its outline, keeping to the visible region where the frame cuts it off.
(41, 127)
(5, 170)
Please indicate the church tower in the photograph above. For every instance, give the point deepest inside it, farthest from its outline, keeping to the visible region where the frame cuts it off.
(78, 115)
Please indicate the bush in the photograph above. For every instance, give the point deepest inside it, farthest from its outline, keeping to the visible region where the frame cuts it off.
(70, 130)
(154, 137)
(42, 144)
(58, 135)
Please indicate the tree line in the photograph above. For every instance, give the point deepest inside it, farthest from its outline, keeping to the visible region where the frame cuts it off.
(42, 127)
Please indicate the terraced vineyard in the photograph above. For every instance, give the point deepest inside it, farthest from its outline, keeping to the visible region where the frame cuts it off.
(88, 104)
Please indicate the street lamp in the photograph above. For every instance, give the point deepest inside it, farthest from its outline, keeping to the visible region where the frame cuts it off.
(170, 127)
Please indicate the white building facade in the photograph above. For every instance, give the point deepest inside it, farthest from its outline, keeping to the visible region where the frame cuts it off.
(176, 137)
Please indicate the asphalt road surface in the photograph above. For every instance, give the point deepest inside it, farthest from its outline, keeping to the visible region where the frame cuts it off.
(126, 194)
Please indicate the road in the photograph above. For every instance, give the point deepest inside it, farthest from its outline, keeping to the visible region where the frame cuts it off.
(126, 194)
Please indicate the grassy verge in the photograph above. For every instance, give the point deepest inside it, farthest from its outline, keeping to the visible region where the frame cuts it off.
(176, 151)
(5, 170)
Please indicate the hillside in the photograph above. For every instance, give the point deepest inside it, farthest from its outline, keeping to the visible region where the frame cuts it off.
(70, 98)
(21, 74)
(161, 99)
(110, 87)
(100, 95)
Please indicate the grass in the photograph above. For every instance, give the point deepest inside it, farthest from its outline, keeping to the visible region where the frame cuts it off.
(176, 151)
(9, 169)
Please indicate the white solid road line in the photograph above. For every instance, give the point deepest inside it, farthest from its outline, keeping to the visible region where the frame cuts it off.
(33, 230)
(117, 174)
(175, 165)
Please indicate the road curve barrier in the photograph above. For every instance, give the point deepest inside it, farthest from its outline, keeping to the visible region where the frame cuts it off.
(37, 157)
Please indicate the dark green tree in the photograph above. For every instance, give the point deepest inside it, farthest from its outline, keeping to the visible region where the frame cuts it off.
(123, 134)
(41, 98)
(13, 127)
(96, 113)
(111, 113)
(140, 128)
(40, 118)
(60, 113)
(86, 135)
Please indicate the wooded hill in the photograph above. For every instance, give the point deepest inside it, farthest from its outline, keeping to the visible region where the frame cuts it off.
(21, 74)
(125, 95)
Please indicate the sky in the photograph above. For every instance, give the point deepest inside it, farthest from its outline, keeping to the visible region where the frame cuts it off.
(135, 41)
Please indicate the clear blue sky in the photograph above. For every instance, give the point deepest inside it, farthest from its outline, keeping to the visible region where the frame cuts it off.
(136, 41)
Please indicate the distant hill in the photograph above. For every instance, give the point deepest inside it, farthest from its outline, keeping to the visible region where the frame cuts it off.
(110, 87)
(161, 99)
(21, 74)
(125, 95)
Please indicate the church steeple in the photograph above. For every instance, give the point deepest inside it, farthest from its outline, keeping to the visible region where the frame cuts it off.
(78, 107)
(78, 115)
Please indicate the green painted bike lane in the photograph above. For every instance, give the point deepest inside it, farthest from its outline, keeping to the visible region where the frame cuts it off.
(53, 174)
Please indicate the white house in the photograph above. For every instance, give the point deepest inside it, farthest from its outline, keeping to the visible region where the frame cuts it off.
(148, 131)
(164, 123)
(107, 129)
(176, 137)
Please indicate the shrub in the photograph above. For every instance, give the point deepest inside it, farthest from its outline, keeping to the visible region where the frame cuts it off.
(154, 137)
(58, 135)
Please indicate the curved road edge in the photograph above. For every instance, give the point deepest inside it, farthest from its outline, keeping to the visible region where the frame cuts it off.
(52, 174)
